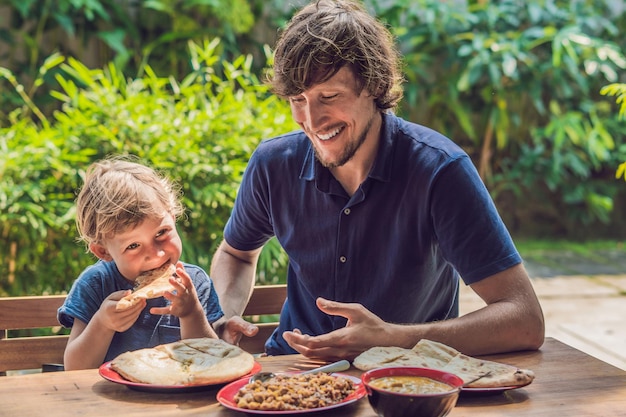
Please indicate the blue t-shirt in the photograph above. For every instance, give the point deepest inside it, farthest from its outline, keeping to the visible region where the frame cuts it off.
(101, 279)
(422, 217)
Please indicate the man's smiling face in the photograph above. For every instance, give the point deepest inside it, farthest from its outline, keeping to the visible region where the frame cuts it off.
(336, 116)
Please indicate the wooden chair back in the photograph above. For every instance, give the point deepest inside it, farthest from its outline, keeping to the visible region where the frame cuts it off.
(266, 300)
(37, 312)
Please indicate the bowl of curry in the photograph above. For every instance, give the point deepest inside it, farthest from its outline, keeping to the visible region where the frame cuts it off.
(410, 391)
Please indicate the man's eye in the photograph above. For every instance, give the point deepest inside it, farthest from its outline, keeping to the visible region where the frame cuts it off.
(329, 97)
(132, 246)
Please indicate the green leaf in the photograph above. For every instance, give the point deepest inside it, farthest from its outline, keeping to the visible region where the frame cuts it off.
(114, 39)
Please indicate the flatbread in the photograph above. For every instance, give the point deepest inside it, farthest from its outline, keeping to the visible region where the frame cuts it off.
(496, 374)
(150, 284)
(435, 350)
(150, 366)
(189, 361)
(430, 354)
(381, 356)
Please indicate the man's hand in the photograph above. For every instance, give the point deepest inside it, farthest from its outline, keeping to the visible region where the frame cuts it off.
(363, 330)
(232, 329)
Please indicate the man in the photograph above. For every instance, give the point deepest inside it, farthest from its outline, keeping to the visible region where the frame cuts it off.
(378, 216)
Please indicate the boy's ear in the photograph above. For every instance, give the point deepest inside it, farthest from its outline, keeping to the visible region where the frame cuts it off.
(100, 251)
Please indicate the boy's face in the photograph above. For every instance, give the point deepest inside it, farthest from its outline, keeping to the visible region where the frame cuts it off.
(148, 246)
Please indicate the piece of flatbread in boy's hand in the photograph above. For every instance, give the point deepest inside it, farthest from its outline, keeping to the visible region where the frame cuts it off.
(150, 284)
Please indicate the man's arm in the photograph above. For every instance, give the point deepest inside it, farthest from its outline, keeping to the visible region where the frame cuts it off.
(233, 273)
(511, 320)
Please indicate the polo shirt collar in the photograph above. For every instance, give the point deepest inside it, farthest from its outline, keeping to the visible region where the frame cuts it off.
(381, 170)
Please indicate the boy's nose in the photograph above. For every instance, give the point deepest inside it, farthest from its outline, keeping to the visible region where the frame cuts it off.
(156, 252)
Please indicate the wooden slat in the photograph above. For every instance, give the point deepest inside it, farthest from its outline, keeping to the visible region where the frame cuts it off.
(266, 299)
(32, 312)
(31, 352)
(29, 312)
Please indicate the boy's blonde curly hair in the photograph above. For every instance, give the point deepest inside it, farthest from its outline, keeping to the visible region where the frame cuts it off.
(119, 194)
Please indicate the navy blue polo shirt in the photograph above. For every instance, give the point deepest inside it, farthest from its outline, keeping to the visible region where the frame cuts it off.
(397, 246)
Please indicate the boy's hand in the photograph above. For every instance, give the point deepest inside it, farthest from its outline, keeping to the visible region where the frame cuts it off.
(119, 320)
(184, 300)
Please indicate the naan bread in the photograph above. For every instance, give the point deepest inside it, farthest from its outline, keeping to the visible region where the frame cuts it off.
(497, 374)
(150, 284)
(150, 366)
(380, 356)
(435, 350)
(190, 361)
(430, 354)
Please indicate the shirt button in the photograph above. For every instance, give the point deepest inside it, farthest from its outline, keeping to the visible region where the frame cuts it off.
(342, 259)
(346, 211)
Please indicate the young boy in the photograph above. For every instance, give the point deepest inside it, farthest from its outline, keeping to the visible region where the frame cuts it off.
(126, 214)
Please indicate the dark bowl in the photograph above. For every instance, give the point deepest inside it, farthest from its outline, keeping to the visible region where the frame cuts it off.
(394, 404)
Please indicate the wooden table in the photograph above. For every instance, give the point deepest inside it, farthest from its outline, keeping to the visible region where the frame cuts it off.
(568, 383)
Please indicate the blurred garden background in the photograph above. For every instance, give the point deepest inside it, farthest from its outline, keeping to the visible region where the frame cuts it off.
(533, 90)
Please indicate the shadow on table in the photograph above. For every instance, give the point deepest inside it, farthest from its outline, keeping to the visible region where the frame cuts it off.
(491, 398)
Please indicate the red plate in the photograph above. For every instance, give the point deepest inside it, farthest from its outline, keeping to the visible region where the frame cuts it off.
(226, 397)
(109, 374)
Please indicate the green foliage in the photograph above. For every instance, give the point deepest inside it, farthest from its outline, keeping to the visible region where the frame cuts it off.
(200, 131)
(621, 171)
(124, 28)
(516, 84)
(519, 85)
(618, 90)
(129, 33)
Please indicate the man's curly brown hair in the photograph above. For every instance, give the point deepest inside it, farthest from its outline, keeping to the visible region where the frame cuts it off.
(327, 35)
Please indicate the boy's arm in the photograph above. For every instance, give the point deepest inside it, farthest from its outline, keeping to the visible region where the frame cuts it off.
(186, 305)
(196, 325)
(89, 342)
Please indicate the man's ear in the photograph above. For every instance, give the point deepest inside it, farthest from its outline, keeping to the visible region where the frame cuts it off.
(100, 251)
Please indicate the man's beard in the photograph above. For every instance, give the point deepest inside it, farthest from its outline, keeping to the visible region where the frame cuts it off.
(349, 152)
